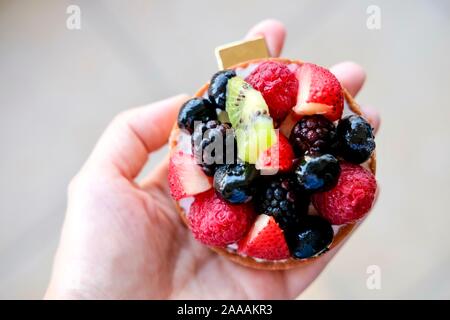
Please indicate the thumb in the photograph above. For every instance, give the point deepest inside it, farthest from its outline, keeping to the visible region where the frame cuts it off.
(124, 146)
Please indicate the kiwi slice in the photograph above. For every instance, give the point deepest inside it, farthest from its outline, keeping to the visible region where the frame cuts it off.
(249, 116)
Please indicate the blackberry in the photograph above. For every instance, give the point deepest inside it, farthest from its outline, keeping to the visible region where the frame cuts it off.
(217, 90)
(196, 109)
(313, 135)
(280, 198)
(212, 146)
(317, 174)
(235, 182)
(355, 138)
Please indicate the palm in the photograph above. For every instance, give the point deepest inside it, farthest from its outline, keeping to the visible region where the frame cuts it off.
(158, 256)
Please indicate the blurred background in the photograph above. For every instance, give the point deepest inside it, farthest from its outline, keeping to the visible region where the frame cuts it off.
(59, 88)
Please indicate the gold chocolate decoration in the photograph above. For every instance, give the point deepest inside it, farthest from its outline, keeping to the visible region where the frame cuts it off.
(240, 51)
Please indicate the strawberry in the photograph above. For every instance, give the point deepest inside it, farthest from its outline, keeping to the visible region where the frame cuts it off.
(319, 93)
(215, 222)
(279, 157)
(186, 178)
(265, 240)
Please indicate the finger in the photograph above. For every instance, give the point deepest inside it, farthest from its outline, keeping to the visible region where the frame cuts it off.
(273, 31)
(373, 116)
(158, 177)
(132, 135)
(350, 75)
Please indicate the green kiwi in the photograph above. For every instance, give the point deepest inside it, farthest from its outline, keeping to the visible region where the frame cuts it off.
(222, 116)
(249, 116)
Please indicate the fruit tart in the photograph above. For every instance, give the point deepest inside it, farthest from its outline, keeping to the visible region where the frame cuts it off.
(272, 163)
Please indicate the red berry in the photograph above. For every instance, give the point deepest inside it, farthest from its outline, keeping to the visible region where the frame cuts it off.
(279, 157)
(278, 85)
(350, 199)
(215, 222)
(320, 92)
(186, 178)
(265, 240)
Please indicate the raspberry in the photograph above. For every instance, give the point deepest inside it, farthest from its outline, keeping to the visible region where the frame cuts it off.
(215, 222)
(280, 198)
(352, 197)
(314, 135)
(204, 148)
(278, 85)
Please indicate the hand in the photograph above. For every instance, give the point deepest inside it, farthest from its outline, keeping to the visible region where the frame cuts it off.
(124, 240)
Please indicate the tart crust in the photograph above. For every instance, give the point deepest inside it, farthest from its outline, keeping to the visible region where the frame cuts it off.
(290, 263)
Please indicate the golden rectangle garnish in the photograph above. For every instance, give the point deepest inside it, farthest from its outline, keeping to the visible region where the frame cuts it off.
(240, 51)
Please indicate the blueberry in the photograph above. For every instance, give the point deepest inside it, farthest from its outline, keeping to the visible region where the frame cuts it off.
(310, 238)
(196, 109)
(355, 139)
(235, 182)
(217, 90)
(317, 174)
